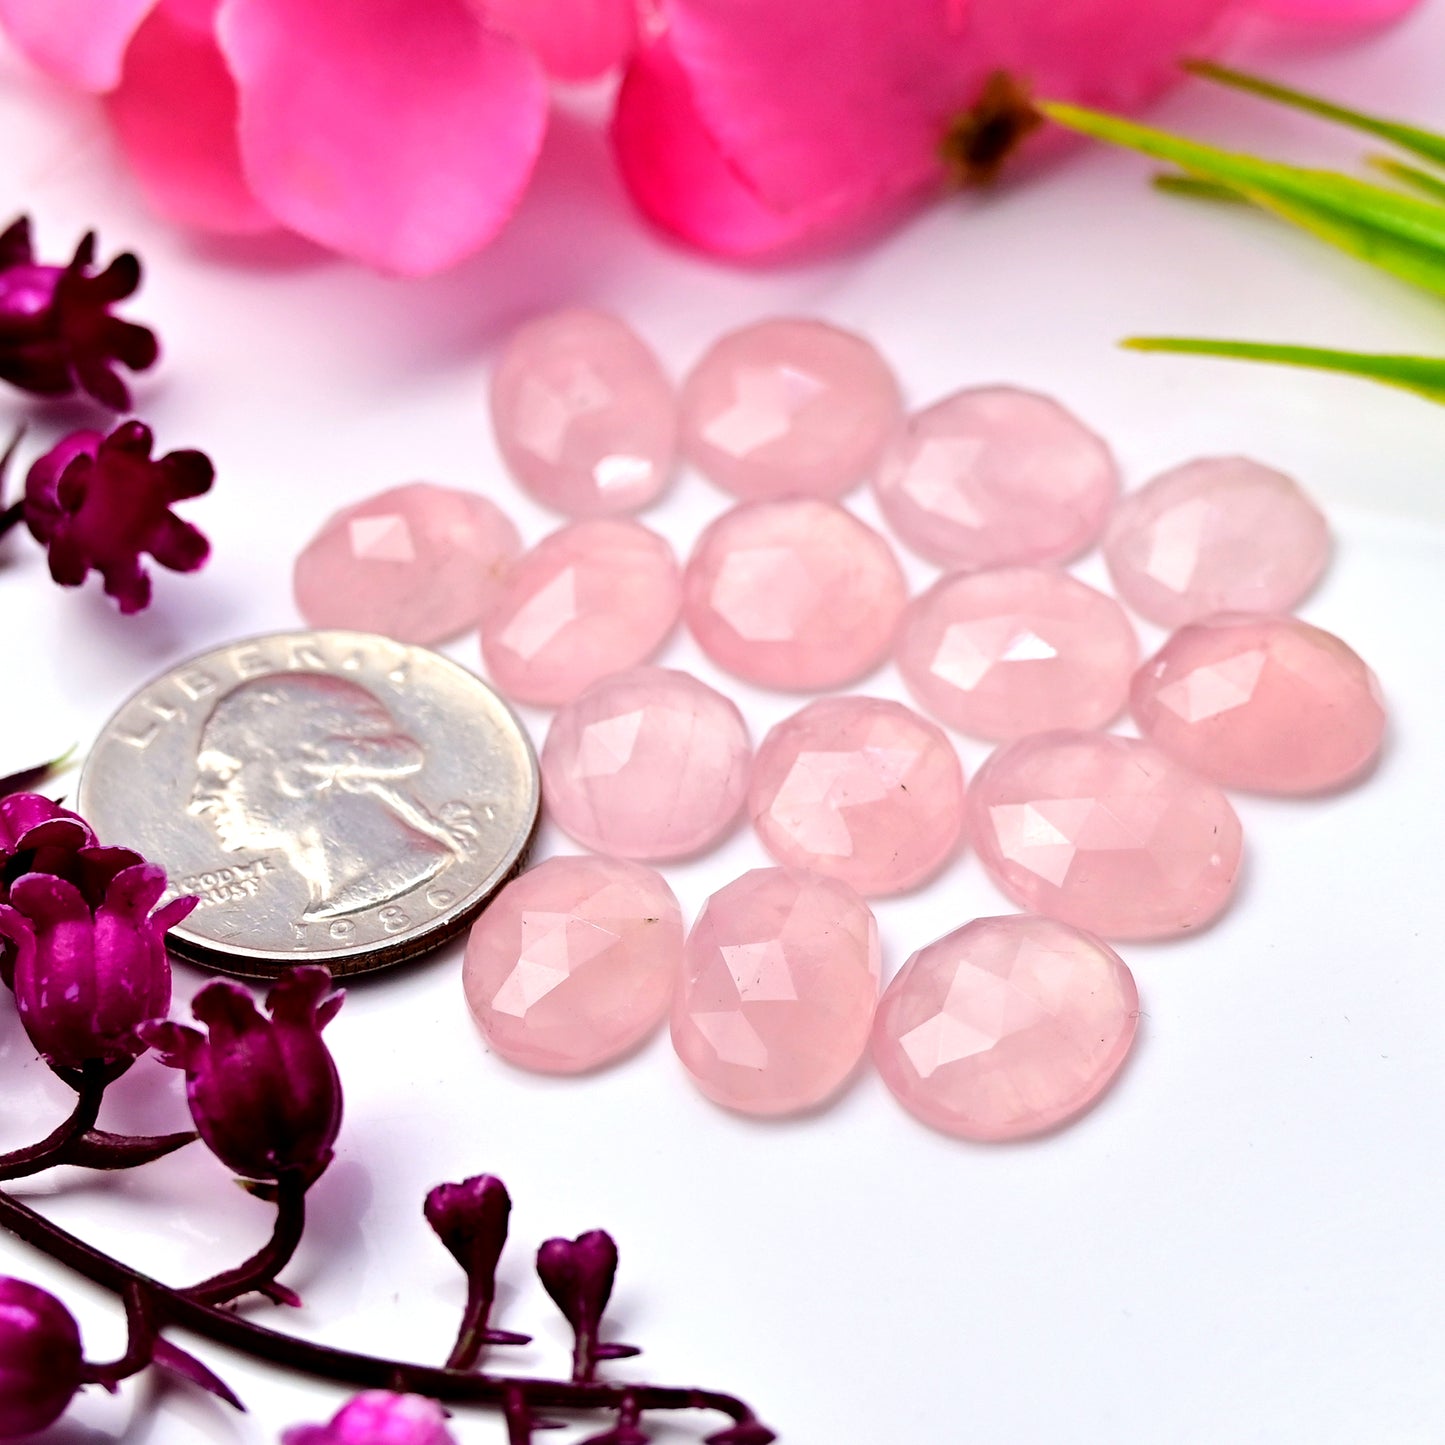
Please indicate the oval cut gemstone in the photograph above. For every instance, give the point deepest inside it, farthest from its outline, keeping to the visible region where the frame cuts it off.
(1222, 534)
(994, 477)
(789, 408)
(779, 983)
(795, 594)
(1266, 703)
(419, 563)
(648, 763)
(572, 963)
(1005, 1027)
(1107, 833)
(593, 598)
(584, 415)
(860, 789)
(1019, 650)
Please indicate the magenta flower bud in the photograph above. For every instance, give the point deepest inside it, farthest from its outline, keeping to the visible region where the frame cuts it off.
(97, 503)
(470, 1218)
(578, 1274)
(264, 1092)
(87, 975)
(36, 836)
(40, 1360)
(378, 1417)
(57, 334)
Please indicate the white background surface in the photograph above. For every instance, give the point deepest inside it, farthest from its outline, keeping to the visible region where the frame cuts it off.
(1243, 1243)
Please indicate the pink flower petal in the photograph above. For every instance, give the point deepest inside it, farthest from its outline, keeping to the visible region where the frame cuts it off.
(78, 41)
(574, 39)
(398, 132)
(175, 116)
(1333, 15)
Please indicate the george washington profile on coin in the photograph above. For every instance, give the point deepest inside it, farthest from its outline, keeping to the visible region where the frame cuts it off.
(314, 767)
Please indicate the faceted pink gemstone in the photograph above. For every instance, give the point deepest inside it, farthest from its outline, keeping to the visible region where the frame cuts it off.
(593, 598)
(584, 415)
(1268, 703)
(859, 789)
(647, 763)
(1021, 650)
(572, 964)
(419, 563)
(1223, 534)
(996, 476)
(793, 594)
(789, 408)
(1005, 1027)
(1106, 833)
(779, 983)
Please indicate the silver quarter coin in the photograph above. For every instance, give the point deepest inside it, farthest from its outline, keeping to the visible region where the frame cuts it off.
(331, 797)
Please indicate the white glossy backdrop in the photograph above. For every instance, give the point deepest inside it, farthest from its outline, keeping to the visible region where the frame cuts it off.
(1242, 1243)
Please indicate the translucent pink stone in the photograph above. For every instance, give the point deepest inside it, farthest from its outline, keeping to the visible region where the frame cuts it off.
(1106, 833)
(419, 563)
(1268, 703)
(996, 476)
(593, 598)
(1020, 650)
(779, 983)
(859, 789)
(573, 962)
(1005, 1027)
(1223, 534)
(789, 408)
(584, 414)
(647, 763)
(793, 594)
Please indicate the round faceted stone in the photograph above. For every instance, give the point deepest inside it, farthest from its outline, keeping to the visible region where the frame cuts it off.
(859, 789)
(572, 964)
(789, 408)
(1223, 534)
(1005, 1027)
(1107, 833)
(779, 983)
(795, 594)
(647, 763)
(1019, 650)
(1268, 703)
(996, 476)
(584, 415)
(593, 598)
(419, 563)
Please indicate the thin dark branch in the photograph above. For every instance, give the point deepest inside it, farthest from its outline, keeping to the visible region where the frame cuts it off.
(260, 1271)
(90, 1089)
(140, 1342)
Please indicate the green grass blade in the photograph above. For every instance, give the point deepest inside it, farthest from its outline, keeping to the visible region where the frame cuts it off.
(1424, 181)
(1177, 184)
(1427, 143)
(1423, 375)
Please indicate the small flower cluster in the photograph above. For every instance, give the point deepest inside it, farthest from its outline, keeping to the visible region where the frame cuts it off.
(95, 502)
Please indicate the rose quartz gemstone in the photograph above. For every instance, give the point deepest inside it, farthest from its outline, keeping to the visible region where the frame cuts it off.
(859, 789)
(1268, 703)
(1021, 650)
(593, 598)
(1005, 1027)
(996, 476)
(584, 414)
(793, 594)
(647, 763)
(779, 983)
(1106, 833)
(1223, 534)
(572, 964)
(419, 563)
(789, 408)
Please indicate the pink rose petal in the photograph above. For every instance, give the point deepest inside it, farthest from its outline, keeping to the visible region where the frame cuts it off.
(574, 39)
(1332, 14)
(174, 114)
(78, 41)
(398, 132)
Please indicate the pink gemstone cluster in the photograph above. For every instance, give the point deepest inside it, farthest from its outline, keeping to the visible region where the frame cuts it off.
(1007, 1026)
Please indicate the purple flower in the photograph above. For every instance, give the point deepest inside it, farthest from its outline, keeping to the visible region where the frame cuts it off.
(578, 1274)
(470, 1218)
(98, 502)
(57, 335)
(40, 1360)
(263, 1092)
(378, 1418)
(36, 836)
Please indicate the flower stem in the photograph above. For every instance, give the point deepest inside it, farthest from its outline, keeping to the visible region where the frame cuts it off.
(140, 1342)
(261, 1269)
(474, 1334)
(11, 516)
(90, 1089)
